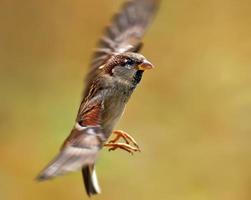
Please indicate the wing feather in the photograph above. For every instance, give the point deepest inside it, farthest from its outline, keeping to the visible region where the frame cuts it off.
(81, 147)
(79, 150)
(123, 34)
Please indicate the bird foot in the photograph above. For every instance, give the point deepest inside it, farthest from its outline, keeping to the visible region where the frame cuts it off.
(125, 146)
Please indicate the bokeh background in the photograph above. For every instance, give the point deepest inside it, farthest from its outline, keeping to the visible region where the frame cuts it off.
(191, 115)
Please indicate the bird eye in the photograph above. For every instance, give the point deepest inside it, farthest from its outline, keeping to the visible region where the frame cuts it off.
(129, 62)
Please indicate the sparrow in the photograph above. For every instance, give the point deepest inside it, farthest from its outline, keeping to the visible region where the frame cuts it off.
(116, 70)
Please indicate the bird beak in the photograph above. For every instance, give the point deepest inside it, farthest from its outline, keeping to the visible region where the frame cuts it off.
(145, 65)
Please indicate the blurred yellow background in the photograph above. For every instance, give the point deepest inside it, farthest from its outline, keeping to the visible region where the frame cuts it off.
(191, 115)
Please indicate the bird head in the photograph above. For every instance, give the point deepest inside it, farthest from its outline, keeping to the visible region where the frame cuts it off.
(128, 66)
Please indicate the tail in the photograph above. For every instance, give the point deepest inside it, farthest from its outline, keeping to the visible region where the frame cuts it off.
(90, 180)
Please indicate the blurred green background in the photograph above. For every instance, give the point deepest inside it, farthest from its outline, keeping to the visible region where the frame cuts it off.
(191, 115)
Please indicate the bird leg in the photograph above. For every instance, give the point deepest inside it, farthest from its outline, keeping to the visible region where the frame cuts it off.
(121, 134)
(125, 146)
(113, 146)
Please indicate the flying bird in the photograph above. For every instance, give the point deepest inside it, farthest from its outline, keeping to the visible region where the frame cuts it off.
(116, 69)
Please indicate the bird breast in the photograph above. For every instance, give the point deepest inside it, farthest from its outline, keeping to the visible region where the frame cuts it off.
(116, 98)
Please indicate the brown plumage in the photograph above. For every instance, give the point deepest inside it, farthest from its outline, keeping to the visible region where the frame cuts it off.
(116, 69)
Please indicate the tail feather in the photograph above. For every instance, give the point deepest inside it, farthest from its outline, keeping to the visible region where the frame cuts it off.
(90, 180)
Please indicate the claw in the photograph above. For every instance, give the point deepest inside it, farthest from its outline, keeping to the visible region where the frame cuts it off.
(125, 146)
(113, 146)
(126, 137)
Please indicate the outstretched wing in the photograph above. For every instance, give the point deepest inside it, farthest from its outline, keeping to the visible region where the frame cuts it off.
(79, 150)
(81, 147)
(124, 34)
